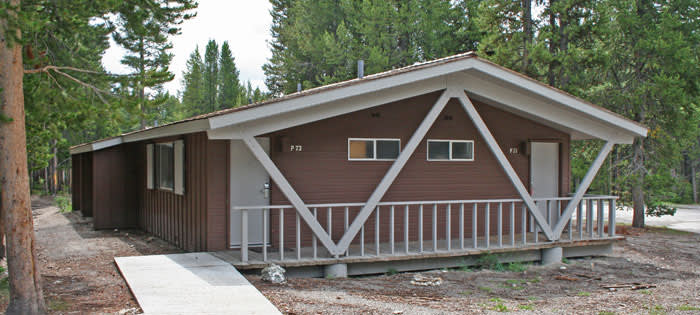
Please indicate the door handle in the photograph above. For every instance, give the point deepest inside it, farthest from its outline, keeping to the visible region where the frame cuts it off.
(266, 190)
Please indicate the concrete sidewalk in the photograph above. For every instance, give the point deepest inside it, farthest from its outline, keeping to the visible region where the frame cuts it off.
(687, 218)
(193, 283)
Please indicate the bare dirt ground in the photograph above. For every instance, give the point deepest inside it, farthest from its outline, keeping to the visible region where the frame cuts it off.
(666, 259)
(77, 262)
(80, 277)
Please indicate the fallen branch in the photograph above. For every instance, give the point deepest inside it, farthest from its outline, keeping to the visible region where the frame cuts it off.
(567, 278)
(633, 286)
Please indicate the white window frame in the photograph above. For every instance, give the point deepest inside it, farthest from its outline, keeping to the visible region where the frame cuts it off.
(157, 165)
(449, 153)
(374, 143)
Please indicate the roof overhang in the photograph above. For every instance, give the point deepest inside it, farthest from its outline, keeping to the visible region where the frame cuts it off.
(481, 79)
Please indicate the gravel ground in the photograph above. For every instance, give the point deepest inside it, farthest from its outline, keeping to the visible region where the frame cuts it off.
(77, 263)
(80, 277)
(666, 259)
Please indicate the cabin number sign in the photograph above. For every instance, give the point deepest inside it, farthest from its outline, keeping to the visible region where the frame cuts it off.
(295, 148)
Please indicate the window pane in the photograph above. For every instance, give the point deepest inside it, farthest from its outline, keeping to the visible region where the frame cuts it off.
(438, 150)
(165, 166)
(388, 149)
(462, 150)
(361, 149)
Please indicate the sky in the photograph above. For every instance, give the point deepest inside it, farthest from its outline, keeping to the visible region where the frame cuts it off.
(244, 24)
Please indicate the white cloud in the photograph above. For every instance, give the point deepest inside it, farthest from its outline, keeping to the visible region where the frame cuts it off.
(244, 24)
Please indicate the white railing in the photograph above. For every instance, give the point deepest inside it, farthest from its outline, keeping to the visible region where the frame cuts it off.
(452, 226)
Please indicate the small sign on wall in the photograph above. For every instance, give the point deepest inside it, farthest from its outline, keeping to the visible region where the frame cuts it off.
(295, 148)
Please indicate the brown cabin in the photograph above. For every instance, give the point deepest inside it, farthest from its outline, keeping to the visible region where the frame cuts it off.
(413, 168)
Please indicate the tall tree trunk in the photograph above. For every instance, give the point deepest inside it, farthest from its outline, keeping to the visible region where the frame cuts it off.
(552, 47)
(26, 296)
(54, 168)
(693, 181)
(527, 30)
(638, 184)
(142, 90)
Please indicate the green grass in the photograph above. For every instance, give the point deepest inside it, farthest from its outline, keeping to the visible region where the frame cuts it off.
(466, 292)
(565, 260)
(666, 230)
(656, 310)
(526, 307)
(63, 203)
(606, 313)
(584, 293)
(517, 267)
(647, 292)
(391, 272)
(686, 307)
(57, 305)
(500, 307)
(486, 289)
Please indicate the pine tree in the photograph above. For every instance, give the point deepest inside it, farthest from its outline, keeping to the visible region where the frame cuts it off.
(229, 84)
(143, 28)
(211, 75)
(193, 85)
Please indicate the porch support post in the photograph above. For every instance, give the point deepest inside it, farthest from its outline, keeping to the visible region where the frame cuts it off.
(291, 195)
(505, 164)
(583, 187)
(394, 170)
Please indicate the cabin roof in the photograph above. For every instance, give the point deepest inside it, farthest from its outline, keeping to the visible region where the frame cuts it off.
(461, 67)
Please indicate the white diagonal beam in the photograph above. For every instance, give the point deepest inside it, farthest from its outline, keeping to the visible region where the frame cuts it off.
(394, 170)
(505, 164)
(290, 193)
(583, 187)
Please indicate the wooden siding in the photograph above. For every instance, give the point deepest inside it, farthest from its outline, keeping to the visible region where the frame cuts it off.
(321, 173)
(187, 220)
(86, 180)
(114, 187)
(75, 181)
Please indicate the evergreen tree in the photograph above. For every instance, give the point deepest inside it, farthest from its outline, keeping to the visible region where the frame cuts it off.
(229, 84)
(143, 28)
(193, 85)
(319, 42)
(211, 75)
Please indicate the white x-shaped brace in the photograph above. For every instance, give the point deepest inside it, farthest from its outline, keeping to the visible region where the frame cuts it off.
(395, 169)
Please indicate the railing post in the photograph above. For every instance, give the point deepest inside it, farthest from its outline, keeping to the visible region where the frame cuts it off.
(474, 232)
(281, 234)
(601, 219)
(405, 229)
(487, 224)
(500, 224)
(420, 228)
(244, 236)
(347, 223)
(298, 236)
(435, 227)
(579, 219)
(461, 226)
(391, 229)
(611, 218)
(313, 237)
(523, 213)
(448, 227)
(376, 231)
(266, 219)
(512, 224)
(589, 218)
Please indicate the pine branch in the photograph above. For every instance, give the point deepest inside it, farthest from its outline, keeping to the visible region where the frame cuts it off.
(59, 70)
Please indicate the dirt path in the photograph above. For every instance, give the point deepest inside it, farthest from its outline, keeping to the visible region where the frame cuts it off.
(667, 259)
(77, 263)
(80, 277)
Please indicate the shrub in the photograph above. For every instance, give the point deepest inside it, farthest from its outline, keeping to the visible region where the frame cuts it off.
(64, 204)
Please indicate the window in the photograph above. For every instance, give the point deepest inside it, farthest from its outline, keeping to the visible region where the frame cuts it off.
(450, 150)
(373, 149)
(164, 161)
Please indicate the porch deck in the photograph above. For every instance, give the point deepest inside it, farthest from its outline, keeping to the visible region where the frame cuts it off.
(292, 258)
